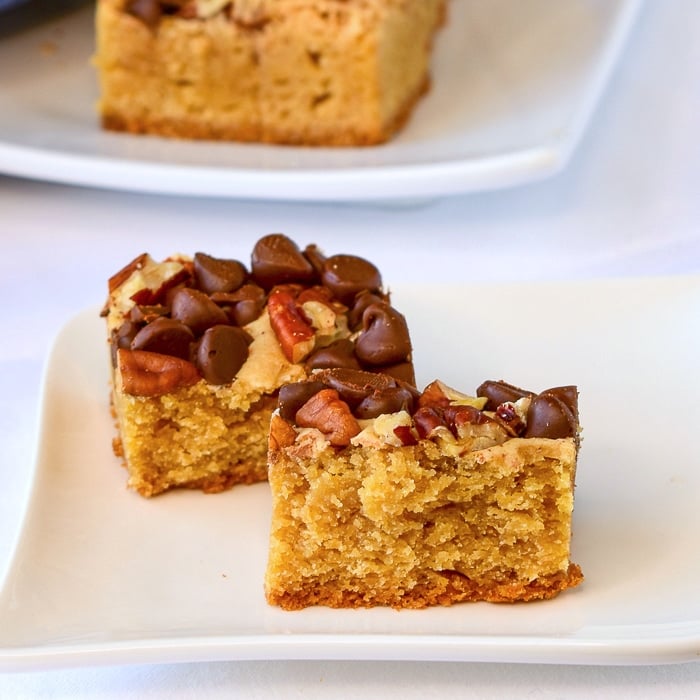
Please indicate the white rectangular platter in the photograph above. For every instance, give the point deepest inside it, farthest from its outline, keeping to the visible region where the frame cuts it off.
(102, 576)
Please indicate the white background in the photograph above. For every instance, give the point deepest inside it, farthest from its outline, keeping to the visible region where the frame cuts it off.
(627, 205)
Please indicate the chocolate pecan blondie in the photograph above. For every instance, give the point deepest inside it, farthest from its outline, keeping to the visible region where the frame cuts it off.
(386, 496)
(309, 72)
(200, 347)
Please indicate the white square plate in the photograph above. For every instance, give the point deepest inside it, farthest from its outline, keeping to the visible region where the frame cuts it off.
(515, 83)
(101, 575)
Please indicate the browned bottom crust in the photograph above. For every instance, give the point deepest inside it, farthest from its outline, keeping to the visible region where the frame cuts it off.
(445, 588)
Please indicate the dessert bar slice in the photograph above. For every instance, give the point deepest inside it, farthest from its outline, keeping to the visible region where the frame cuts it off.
(308, 72)
(386, 496)
(200, 347)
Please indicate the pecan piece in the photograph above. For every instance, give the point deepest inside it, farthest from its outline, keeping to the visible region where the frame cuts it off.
(508, 416)
(146, 373)
(118, 278)
(326, 412)
(295, 335)
(281, 434)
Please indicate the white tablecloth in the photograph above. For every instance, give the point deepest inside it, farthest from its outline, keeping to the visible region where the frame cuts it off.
(628, 204)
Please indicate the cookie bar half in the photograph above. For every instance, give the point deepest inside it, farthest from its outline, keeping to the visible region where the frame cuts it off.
(200, 347)
(384, 496)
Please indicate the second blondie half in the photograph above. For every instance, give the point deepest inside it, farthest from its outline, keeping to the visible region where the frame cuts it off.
(384, 496)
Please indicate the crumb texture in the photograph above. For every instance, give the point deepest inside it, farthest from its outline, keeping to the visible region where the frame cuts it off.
(195, 440)
(410, 527)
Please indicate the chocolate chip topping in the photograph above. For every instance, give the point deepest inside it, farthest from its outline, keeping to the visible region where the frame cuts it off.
(276, 259)
(389, 400)
(362, 301)
(384, 338)
(567, 394)
(197, 310)
(165, 336)
(218, 275)
(121, 338)
(354, 385)
(346, 275)
(322, 305)
(403, 371)
(124, 335)
(147, 314)
(552, 414)
(221, 352)
(500, 392)
(316, 257)
(148, 11)
(338, 354)
(550, 417)
(244, 305)
(293, 396)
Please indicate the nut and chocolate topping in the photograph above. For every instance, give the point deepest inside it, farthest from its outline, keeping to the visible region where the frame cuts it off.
(498, 413)
(324, 312)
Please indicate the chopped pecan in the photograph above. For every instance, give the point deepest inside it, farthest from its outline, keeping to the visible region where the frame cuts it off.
(508, 416)
(146, 373)
(405, 434)
(326, 412)
(434, 395)
(157, 279)
(427, 419)
(118, 278)
(282, 434)
(295, 335)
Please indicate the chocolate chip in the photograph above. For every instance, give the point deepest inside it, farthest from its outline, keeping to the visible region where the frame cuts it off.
(221, 352)
(354, 385)
(242, 306)
(550, 417)
(142, 313)
(250, 306)
(314, 255)
(122, 337)
(293, 396)
(276, 259)
(341, 353)
(347, 275)
(148, 11)
(500, 392)
(197, 310)
(403, 371)
(567, 394)
(389, 400)
(244, 312)
(165, 336)
(362, 301)
(218, 275)
(384, 339)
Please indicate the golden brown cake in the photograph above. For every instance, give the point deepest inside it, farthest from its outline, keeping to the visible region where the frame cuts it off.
(383, 496)
(200, 347)
(312, 72)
